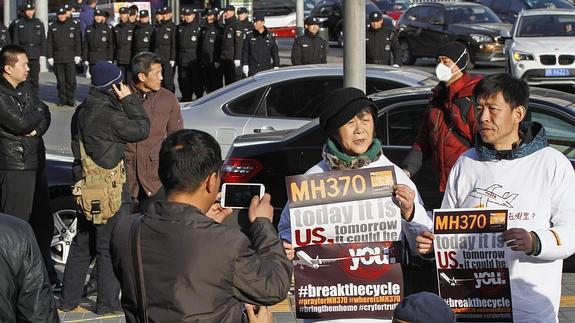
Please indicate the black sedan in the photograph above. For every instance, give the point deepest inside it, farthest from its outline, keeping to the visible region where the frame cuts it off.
(424, 27)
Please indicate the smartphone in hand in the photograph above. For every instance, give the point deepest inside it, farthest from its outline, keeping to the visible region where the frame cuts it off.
(239, 195)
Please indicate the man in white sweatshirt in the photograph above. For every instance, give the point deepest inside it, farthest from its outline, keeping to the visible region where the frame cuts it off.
(512, 156)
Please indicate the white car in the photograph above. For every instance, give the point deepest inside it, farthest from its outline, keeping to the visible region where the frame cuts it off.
(286, 98)
(541, 47)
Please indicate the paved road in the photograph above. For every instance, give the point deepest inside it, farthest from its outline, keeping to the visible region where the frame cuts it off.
(58, 140)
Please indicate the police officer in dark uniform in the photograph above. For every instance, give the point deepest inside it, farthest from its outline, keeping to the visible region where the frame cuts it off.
(158, 16)
(164, 45)
(210, 52)
(378, 40)
(260, 49)
(228, 45)
(143, 31)
(29, 33)
(244, 26)
(64, 48)
(309, 48)
(98, 42)
(123, 33)
(188, 37)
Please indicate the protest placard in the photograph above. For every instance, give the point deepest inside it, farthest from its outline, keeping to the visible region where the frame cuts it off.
(346, 230)
(471, 268)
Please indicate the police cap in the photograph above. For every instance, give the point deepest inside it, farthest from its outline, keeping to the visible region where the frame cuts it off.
(230, 8)
(61, 11)
(259, 17)
(28, 6)
(242, 10)
(67, 7)
(210, 12)
(311, 20)
(99, 12)
(375, 16)
(144, 13)
(188, 11)
(166, 9)
(123, 10)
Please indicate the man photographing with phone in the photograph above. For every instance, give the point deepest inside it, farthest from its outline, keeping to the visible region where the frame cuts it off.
(176, 262)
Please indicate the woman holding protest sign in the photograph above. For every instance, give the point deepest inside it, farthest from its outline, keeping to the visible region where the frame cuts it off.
(349, 118)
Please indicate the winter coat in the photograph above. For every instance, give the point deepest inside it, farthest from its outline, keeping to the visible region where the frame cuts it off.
(197, 270)
(21, 112)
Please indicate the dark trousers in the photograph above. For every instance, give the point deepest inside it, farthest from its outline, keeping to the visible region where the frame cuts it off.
(168, 77)
(66, 80)
(92, 239)
(33, 74)
(24, 194)
(229, 71)
(239, 73)
(191, 81)
(126, 72)
(212, 77)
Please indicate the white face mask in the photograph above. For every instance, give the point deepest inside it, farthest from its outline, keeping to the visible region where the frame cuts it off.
(443, 71)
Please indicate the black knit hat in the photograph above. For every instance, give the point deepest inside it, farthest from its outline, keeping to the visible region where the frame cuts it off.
(424, 307)
(104, 74)
(342, 105)
(457, 52)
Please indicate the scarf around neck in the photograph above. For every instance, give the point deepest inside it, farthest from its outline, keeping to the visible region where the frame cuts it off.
(338, 160)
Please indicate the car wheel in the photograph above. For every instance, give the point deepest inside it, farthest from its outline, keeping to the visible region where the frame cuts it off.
(340, 37)
(65, 223)
(406, 57)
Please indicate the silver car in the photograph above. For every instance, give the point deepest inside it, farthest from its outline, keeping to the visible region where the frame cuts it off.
(285, 98)
(541, 47)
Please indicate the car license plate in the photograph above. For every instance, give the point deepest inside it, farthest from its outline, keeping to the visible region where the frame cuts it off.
(556, 72)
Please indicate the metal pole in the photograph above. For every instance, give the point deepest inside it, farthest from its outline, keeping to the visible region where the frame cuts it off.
(354, 44)
(42, 14)
(299, 17)
(176, 11)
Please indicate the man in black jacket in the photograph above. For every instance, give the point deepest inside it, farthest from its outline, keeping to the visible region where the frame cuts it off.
(109, 118)
(260, 49)
(164, 45)
(378, 40)
(98, 41)
(143, 30)
(24, 284)
(309, 48)
(216, 268)
(242, 29)
(189, 70)
(210, 50)
(123, 33)
(29, 33)
(23, 121)
(228, 45)
(64, 51)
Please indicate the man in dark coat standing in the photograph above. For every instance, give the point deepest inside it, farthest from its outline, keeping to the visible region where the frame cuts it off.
(109, 118)
(216, 268)
(64, 51)
(210, 50)
(98, 41)
(188, 37)
(143, 31)
(378, 40)
(164, 45)
(165, 117)
(24, 119)
(29, 33)
(260, 49)
(310, 48)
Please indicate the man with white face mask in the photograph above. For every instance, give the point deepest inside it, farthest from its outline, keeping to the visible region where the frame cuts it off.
(446, 131)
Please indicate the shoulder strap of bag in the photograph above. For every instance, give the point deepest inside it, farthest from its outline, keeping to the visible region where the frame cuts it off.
(136, 255)
(464, 104)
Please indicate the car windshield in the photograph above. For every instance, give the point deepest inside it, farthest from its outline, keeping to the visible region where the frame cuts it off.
(548, 4)
(470, 15)
(547, 26)
(392, 5)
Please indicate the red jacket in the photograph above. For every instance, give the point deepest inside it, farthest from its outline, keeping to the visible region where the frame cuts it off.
(444, 133)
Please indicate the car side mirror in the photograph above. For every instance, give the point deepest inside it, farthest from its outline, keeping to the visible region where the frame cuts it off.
(505, 34)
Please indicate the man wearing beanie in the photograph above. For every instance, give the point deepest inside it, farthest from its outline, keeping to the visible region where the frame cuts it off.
(109, 118)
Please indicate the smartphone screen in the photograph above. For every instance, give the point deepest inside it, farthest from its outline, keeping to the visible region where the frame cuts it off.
(239, 196)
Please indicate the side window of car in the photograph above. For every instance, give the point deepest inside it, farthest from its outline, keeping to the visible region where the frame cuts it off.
(374, 85)
(413, 14)
(403, 123)
(300, 98)
(428, 12)
(246, 104)
(560, 132)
